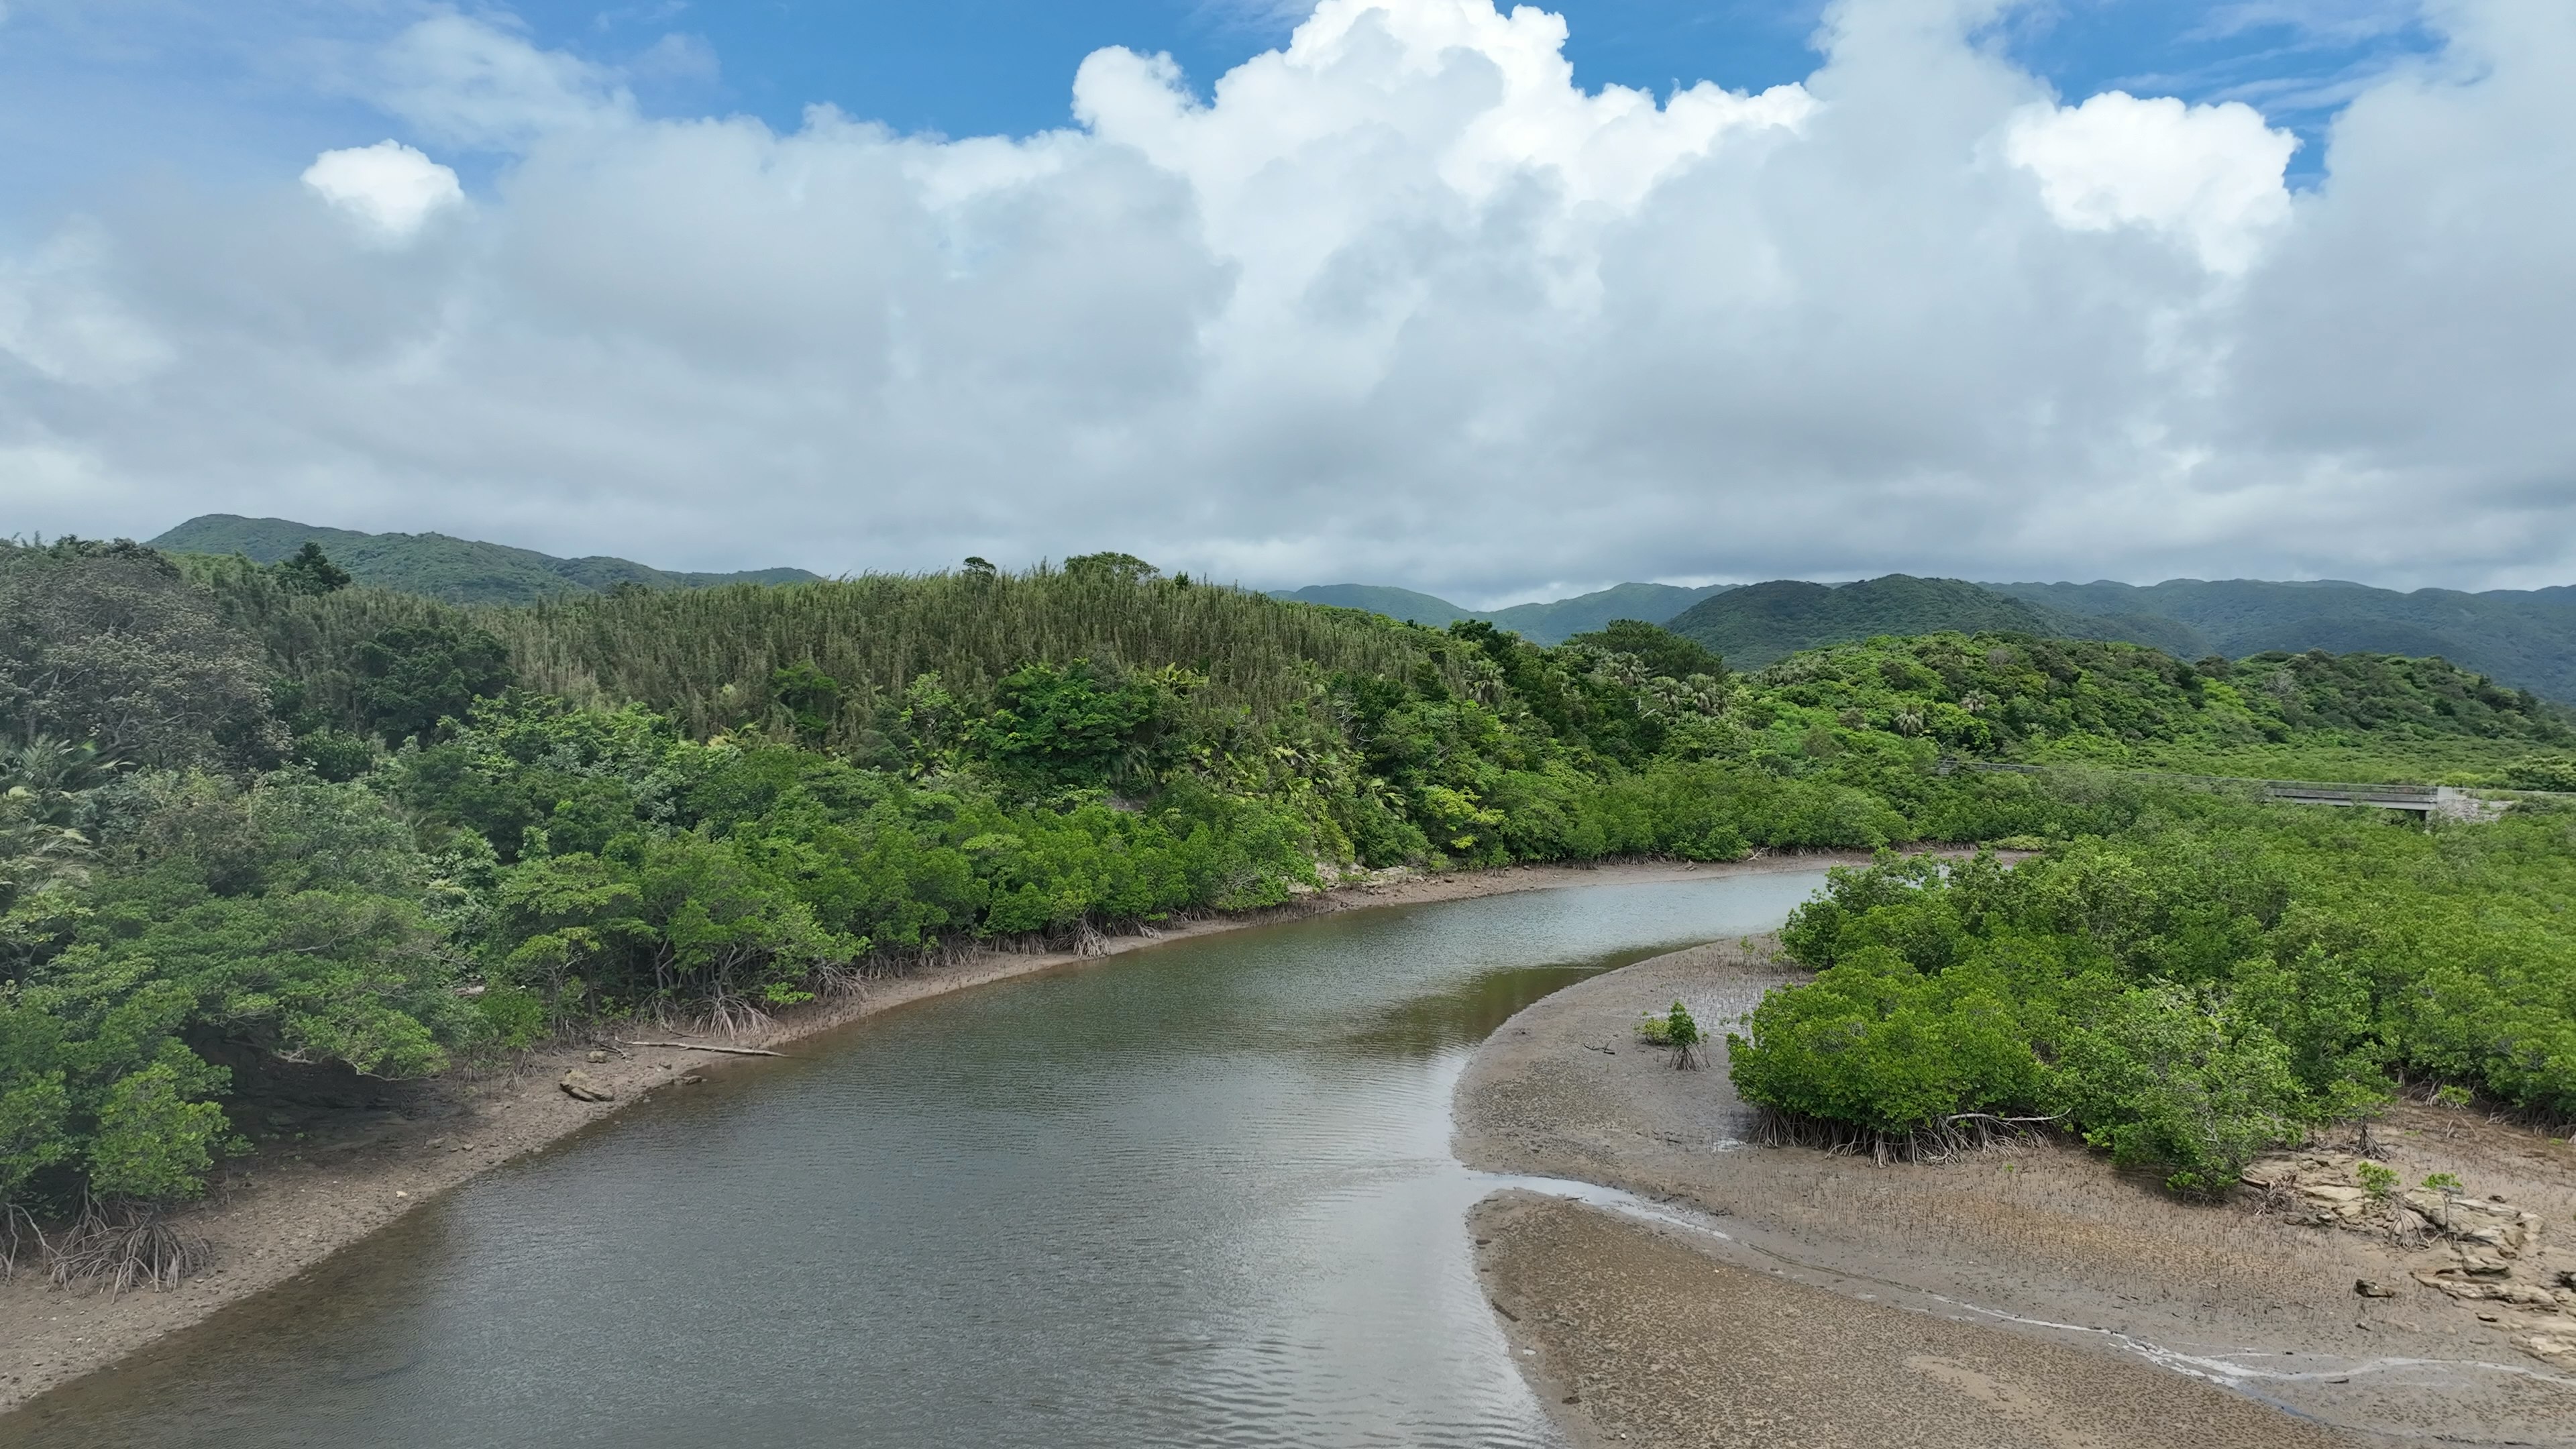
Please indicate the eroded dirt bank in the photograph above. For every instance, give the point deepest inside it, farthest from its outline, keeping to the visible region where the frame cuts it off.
(296, 1201)
(1856, 1305)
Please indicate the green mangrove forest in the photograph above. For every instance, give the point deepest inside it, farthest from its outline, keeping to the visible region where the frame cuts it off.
(254, 818)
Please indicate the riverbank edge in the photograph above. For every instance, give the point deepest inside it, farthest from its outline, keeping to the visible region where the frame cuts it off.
(281, 1214)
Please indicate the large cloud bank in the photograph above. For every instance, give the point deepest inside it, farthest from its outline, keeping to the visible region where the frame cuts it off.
(1399, 302)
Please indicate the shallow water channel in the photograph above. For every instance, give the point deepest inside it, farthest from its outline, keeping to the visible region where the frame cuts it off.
(1196, 1194)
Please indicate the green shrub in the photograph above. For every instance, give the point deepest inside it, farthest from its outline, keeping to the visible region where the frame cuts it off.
(513, 1016)
(2190, 993)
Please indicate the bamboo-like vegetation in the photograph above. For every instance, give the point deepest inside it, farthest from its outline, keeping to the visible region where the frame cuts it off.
(706, 656)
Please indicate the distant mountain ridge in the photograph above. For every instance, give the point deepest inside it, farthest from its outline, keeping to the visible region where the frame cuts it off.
(2525, 638)
(2521, 637)
(1552, 622)
(457, 570)
(1761, 623)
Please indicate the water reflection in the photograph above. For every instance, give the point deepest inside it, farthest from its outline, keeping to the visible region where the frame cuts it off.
(1201, 1194)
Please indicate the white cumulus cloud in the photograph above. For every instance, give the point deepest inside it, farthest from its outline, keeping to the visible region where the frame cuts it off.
(2210, 175)
(1401, 301)
(388, 186)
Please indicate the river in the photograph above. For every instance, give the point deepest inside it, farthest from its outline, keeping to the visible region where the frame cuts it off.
(1197, 1194)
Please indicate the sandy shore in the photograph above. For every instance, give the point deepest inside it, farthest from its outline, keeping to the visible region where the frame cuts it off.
(1853, 1305)
(293, 1203)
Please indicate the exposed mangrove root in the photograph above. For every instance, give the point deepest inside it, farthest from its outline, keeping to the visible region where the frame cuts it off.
(1944, 1140)
(20, 1240)
(114, 1248)
(731, 1015)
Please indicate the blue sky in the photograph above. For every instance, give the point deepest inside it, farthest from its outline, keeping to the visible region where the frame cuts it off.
(108, 87)
(975, 66)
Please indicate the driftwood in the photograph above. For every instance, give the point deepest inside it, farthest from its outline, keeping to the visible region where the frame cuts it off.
(699, 1046)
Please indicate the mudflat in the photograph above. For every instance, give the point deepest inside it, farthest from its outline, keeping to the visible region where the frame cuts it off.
(2026, 1295)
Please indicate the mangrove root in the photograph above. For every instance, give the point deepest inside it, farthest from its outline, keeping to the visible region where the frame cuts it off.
(1942, 1140)
(113, 1248)
(18, 1233)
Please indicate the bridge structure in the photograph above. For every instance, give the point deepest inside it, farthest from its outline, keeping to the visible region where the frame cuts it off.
(2433, 802)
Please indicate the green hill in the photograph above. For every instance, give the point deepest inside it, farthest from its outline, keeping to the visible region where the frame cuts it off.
(2523, 638)
(2274, 715)
(1551, 622)
(2526, 638)
(1751, 627)
(455, 570)
(1554, 623)
(1395, 603)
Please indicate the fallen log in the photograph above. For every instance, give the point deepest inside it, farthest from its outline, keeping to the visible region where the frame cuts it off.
(699, 1046)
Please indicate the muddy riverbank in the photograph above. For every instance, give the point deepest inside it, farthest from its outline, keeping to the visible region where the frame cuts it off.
(2025, 1296)
(295, 1202)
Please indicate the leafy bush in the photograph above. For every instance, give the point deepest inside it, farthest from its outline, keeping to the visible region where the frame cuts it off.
(2185, 995)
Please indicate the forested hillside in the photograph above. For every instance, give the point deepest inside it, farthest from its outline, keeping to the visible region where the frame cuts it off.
(256, 817)
(456, 570)
(2359, 717)
(1755, 625)
(2524, 637)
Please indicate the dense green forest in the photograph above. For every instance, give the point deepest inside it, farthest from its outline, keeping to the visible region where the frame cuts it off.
(2523, 637)
(2526, 637)
(455, 570)
(256, 817)
(1763, 623)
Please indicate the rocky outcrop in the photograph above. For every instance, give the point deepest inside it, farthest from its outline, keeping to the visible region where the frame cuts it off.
(581, 1086)
(2480, 1251)
(2556, 1347)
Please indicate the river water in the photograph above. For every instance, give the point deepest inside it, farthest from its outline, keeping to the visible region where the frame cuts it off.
(1198, 1194)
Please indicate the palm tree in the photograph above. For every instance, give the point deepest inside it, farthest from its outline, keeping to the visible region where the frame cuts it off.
(42, 782)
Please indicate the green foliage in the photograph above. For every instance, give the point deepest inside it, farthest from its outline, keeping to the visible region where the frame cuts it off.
(2084, 702)
(513, 1017)
(715, 803)
(107, 644)
(1759, 625)
(1661, 652)
(2512, 634)
(2377, 1178)
(2542, 772)
(811, 698)
(1054, 728)
(413, 676)
(1682, 1034)
(310, 571)
(1116, 568)
(2443, 1182)
(289, 919)
(2210, 983)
